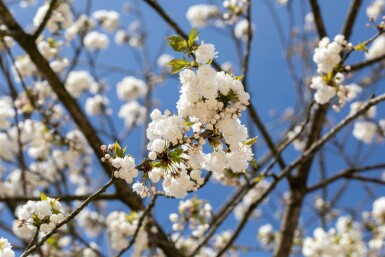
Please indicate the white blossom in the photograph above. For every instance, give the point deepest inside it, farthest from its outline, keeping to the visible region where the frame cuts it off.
(131, 88)
(96, 41)
(201, 14)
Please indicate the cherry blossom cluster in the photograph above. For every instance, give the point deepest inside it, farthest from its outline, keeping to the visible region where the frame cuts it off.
(44, 214)
(121, 226)
(193, 212)
(202, 15)
(124, 165)
(6, 248)
(327, 56)
(266, 235)
(375, 9)
(209, 108)
(131, 89)
(344, 240)
(366, 128)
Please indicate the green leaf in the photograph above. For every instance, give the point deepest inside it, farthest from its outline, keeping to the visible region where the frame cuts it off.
(177, 43)
(240, 77)
(361, 47)
(250, 141)
(259, 179)
(254, 163)
(192, 37)
(43, 197)
(177, 65)
(157, 164)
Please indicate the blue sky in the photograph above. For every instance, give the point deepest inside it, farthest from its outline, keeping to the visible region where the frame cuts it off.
(269, 81)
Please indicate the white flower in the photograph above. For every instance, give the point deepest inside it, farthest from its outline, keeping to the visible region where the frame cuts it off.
(162, 129)
(140, 189)
(132, 113)
(371, 113)
(327, 54)
(375, 9)
(126, 168)
(6, 248)
(379, 209)
(365, 131)
(109, 20)
(61, 17)
(241, 30)
(377, 48)
(6, 112)
(266, 234)
(96, 41)
(79, 81)
(199, 15)
(82, 25)
(121, 37)
(324, 92)
(96, 105)
(131, 88)
(309, 24)
(205, 53)
(163, 60)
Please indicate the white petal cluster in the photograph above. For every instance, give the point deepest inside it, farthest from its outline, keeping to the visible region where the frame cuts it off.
(91, 221)
(365, 131)
(241, 30)
(376, 49)
(96, 41)
(23, 68)
(133, 113)
(6, 112)
(45, 214)
(96, 105)
(125, 168)
(141, 189)
(379, 210)
(205, 53)
(202, 93)
(375, 9)
(266, 234)
(324, 92)
(120, 226)
(82, 25)
(327, 54)
(196, 212)
(210, 103)
(164, 130)
(131, 88)
(61, 17)
(7, 42)
(345, 241)
(201, 14)
(309, 24)
(109, 20)
(6, 248)
(79, 81)
(163, 60)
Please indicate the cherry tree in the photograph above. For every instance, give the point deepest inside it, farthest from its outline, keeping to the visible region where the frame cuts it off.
(97, 161)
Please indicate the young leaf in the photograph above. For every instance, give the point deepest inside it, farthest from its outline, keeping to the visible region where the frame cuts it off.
(250, 141)
(43, 197)
(361, 47)
(192, 37)
(177, 65)
(177, 43)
